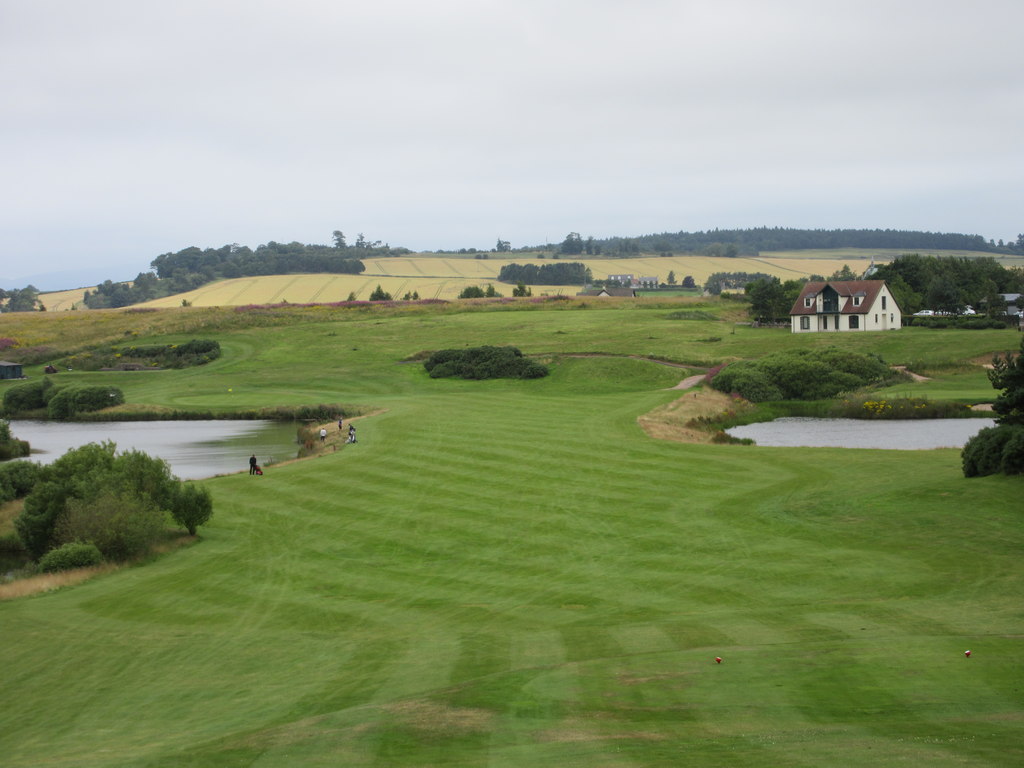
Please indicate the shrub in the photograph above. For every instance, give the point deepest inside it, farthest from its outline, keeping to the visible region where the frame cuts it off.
(483, 363)
(1012, 462)
(27, 397)
(88, 493)
(121, 526)
(191, 506)
(800, 375)
(992, 449)
(70, 401)
(19, 476)
(74, 554)
(10, 446)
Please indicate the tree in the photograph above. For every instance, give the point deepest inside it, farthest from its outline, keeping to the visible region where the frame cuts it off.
(671, 279)
(379, 294)
(521, 290)
(688, 282)
(767, 300)
(573, 244)
(339, 239)
(21, 300)
(91, 494)
(843, 274)
(943, 295)
(1007, 374)
(472, 292)
(503, 246)
(1000, 449)
(191, 506)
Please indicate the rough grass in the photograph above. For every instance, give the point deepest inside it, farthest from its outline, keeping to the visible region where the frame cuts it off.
(512, 573)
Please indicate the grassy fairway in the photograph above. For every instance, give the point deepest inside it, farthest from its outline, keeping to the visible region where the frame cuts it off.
(513, 574)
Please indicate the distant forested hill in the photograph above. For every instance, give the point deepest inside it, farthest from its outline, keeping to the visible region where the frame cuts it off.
(750, 242)
(192, 267)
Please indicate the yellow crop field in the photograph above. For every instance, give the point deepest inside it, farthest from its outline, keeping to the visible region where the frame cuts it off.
(60, 301)
(303, 289)
(441, 277)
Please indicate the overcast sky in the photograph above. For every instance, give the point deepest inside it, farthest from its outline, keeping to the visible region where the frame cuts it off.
(131, 128)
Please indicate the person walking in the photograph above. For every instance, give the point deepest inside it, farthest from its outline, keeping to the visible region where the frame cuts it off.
(252, 464)
(351, 433)
(323, 434)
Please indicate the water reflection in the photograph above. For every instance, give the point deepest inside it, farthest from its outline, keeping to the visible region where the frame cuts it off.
(194, 449)
(912, 435)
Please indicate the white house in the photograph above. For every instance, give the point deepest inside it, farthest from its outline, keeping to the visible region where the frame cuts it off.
(845, 305)
(633, 281)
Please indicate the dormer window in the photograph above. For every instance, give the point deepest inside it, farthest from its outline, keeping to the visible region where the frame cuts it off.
(809, 301)
(857, 300)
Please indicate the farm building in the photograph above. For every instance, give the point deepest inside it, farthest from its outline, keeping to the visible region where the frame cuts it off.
(10, 370)
(605, 292)
(634, 281)
(845, 305)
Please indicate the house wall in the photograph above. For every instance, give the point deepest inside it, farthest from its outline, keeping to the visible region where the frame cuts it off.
(872, 318)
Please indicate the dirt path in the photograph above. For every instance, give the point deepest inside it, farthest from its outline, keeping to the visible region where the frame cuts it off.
(679, 420)
(690, 382)
(911, 374)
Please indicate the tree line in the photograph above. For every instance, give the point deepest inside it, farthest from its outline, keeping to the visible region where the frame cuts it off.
(750, 242)
(559, 273)
(943, 284)
(192, 267)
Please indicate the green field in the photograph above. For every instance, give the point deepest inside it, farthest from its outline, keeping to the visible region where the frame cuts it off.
(508, 573)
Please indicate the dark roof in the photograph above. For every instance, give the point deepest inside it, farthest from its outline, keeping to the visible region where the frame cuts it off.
(869, 289)
(626, 292)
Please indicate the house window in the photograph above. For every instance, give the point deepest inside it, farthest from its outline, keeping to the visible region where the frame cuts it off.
(857, 300)
(891, 318)
(854, 322)
(807, 301)
(805, 323)
(883, 302)
(876, 319)
(824, 322)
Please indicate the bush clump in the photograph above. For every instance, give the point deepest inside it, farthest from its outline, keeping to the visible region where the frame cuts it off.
(17, 479)
(10, 446)
(188, 354)
(803, 374)
(1001, 448)
(74, 554)
(31, 396)
(994, 450)
(68, 402)
(119, 502)
(483, 363)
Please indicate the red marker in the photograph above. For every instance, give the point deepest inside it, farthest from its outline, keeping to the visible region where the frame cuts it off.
(718, 659)
(967, 653)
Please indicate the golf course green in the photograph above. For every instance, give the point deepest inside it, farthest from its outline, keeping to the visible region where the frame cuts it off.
(513, 573)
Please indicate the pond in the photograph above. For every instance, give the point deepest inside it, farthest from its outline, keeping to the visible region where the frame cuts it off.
(194, 449)
(906, 435)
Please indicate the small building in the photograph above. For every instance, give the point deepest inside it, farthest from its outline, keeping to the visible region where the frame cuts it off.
(845, 305)
(10, 370)
(632, 281)
(606, 292)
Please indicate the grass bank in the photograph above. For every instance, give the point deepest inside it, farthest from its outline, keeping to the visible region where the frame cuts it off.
(514, 573)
